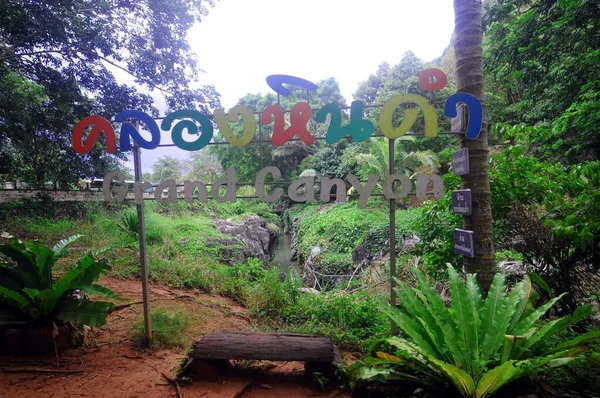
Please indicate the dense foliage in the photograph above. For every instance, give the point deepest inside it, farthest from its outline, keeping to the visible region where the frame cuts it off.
(479, 345)
(30, 295)
(59, 62)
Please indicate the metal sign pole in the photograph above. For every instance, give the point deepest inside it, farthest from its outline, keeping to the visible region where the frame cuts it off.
(137, 164)
(392, 238)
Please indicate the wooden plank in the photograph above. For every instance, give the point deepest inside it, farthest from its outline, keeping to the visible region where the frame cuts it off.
(264, 346)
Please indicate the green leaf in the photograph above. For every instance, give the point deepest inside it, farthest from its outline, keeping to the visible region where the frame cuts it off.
(526, 323)
(525, 292)
(535, 277)
(461, 379)
(13, 298)
(552, 327)
(96, 289)
(511, 346)
(411, 327)
(584, 338)
(44, 261)
(491, 311)
(495, 334)
(441, 315)
(466, 319)
(60, 248)
(25, 265)
(492, 380)
(91, 313)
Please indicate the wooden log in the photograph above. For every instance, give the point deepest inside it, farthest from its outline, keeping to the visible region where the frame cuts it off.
(264, 346)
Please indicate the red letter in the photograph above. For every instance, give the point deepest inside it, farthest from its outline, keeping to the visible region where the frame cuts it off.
(298, 118)
(99, 125)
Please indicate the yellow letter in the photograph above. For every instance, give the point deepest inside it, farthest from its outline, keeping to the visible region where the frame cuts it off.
(234, 113)
(387, 114)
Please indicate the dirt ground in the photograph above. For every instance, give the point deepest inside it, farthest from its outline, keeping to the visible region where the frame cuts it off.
(113, 366)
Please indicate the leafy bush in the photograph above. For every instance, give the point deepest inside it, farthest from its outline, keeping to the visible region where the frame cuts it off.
(168, 330)
(29, 295)
(478, 345)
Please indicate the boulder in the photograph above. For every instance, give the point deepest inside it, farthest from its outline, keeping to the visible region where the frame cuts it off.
(252, 237)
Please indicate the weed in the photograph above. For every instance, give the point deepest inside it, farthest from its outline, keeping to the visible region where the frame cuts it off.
(168, 329)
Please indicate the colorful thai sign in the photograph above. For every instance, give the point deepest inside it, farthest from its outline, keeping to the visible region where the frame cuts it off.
(358, 129)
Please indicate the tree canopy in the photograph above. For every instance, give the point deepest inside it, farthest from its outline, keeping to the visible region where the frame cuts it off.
(71, 54)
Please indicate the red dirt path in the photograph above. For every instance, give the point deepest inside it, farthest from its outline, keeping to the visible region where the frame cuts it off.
(113, 366)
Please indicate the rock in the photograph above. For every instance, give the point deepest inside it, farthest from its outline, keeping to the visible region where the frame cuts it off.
(359, 255)
(408, 244)
(309, 290)
(253, 237)
(512, 267)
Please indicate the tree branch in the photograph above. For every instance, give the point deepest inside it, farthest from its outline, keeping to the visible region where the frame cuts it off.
(94, 54)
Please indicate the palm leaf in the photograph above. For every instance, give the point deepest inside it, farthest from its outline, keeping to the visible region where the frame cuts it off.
(60, 248)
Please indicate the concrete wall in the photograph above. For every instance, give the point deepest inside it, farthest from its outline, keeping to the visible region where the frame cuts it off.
(11, 195)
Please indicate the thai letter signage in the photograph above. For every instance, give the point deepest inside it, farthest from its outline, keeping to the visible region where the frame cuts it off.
(463, 242)
(461, 202)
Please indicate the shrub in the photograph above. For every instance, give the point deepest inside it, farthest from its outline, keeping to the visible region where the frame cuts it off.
(478, 345)
(30, 295)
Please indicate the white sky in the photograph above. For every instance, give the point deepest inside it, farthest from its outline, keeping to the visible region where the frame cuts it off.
(241, 42)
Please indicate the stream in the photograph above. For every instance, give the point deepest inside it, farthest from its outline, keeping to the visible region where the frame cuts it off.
(282, 253)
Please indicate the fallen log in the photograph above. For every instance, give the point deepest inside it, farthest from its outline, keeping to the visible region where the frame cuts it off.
(264, 346)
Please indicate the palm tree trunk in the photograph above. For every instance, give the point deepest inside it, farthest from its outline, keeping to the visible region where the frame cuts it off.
(468, 35)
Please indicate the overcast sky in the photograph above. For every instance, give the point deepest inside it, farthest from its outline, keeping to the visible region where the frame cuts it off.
(241, 42)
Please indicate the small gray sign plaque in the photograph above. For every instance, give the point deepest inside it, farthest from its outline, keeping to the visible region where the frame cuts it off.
(460, 162)
(463, 242)
(458, 123)
(461, 202)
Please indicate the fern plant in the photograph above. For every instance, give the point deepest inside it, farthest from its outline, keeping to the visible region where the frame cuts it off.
(29, 295)
(478, 345)
(129, 222)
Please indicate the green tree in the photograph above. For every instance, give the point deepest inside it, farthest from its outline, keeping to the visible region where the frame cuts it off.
(406, 163)
(203, 167)
(167, 168)
(542, 63)
(70, 50)
(288, 157)
(469, 75)
(34, 134)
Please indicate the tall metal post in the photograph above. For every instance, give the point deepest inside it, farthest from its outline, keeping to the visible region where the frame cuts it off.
(392, 236)
(137, 165)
